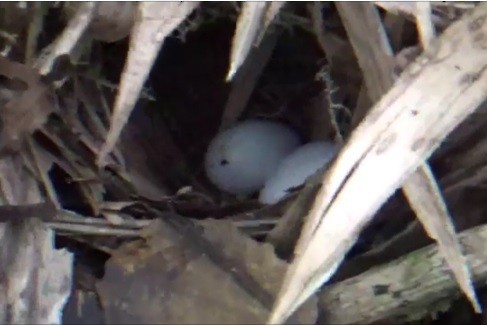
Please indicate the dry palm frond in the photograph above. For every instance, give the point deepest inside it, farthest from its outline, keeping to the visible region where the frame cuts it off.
(402, 130)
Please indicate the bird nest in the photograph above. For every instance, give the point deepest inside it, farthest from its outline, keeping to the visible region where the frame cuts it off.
(107, 111)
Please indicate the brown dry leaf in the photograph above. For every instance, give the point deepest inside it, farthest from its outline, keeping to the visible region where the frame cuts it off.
(181, 275)
(408, 123)
(112, 21)
(154, 22)
(375, 60)
(29, 106)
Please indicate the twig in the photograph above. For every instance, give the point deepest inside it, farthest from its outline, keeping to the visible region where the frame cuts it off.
(68, 39)
(97, 230)
(314, 10)
(333, 106)
(74, 224)
(34, 29)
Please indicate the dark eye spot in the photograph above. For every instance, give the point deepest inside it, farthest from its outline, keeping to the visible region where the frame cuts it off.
(223, 162)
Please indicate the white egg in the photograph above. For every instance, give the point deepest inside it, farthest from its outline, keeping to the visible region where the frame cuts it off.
(240, 159)
(296, 168)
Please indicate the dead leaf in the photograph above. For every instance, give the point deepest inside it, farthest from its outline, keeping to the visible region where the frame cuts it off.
(425, 197)
(246, 79)
(378, 76)
(270, 14)
(181, 275)
(249, 23)
(435, 218)
(408, 123)
(154, 22)
(370, 45)
(71, 157)
(257, 259)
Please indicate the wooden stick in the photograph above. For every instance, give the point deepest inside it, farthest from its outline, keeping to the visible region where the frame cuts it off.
(412, 286)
